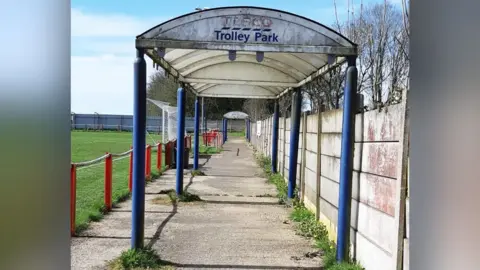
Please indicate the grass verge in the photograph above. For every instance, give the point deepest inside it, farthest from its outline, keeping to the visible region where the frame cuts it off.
(88, 145)
(92, 209)
(203, 149)
(236, 134)
(305, 222)
(138, 259)
(274, 178)
(207, 150)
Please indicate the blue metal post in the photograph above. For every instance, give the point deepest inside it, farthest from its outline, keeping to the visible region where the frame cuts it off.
(196, 135)
(275, 138)
(248, 130)
(226, 129)
(223, 130)
(204, 118)
(294, 134)
(180, 139)
(346, 163)
(139, 126)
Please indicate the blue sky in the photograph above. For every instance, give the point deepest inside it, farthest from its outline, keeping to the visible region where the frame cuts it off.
(103, 34)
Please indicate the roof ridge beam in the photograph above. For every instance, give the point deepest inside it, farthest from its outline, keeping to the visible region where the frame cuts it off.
(240, 82)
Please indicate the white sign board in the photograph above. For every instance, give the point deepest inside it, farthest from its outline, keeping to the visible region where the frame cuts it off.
(243, 25)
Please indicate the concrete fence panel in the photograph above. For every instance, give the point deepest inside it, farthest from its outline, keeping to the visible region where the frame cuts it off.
(379, 207)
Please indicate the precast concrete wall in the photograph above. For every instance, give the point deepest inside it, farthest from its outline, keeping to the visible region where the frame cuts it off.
(378, 235)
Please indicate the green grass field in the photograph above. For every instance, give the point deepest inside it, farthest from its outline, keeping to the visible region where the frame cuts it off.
(88, 145)
(236, 134)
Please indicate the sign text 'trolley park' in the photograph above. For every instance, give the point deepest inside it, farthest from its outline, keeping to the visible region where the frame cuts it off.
(245, 29)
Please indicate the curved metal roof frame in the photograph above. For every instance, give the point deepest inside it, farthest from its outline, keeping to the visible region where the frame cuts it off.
(236, 115)
(244, 52)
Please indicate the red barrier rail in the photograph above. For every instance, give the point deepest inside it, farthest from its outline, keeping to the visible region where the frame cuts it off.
(73, 197)
(108, 176)
(130, 170)
(211, 138)
(108, 173)
(108, 182)
(148, 163)
(168, 154)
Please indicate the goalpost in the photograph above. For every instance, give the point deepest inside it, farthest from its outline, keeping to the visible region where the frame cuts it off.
(169, 119)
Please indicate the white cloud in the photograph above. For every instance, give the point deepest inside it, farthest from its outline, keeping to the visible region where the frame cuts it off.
(102, 77)
(103, 84)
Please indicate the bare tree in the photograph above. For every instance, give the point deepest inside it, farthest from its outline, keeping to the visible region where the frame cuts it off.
(406, 16)
(399, 67)
(284, 105)
(257, 109)
(163, 88)
(380, 33)
(326, 92)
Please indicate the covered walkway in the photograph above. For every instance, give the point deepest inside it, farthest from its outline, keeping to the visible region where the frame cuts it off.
(250, 53)
(237, 224)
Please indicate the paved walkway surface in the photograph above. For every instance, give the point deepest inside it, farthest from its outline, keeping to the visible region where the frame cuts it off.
(238, 224)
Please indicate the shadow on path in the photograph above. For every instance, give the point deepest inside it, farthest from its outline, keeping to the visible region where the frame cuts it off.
(160, 228)
(174, 211)
(146, 211)
(240, 202)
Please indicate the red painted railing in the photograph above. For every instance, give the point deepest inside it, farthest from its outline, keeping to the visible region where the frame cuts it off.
(108, 173)
(212, 138)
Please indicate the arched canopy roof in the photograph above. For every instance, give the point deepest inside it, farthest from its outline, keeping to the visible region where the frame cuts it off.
(235, 115)
(244, 52)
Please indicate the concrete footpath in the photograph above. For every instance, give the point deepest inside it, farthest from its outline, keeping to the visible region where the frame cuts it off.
(238, 224)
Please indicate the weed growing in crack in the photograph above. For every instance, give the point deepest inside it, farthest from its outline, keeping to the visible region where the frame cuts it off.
(308, 226)
(138, 259)
(184, 197)
(265, 196)
(197, 173)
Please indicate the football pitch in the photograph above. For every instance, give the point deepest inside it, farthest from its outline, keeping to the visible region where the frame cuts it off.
(89, 145)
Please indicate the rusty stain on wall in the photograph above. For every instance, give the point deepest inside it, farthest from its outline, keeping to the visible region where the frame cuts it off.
(382, 159)
(380, 193)
(371, 132)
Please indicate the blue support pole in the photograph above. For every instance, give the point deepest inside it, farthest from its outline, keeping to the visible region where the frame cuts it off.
(275, 138)
(223, 130)
(196, 135)
(294, 134)
(139, 126)
(226, 129)
(204, 118)
(248, 130)
(180, 139)
(346, 163)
